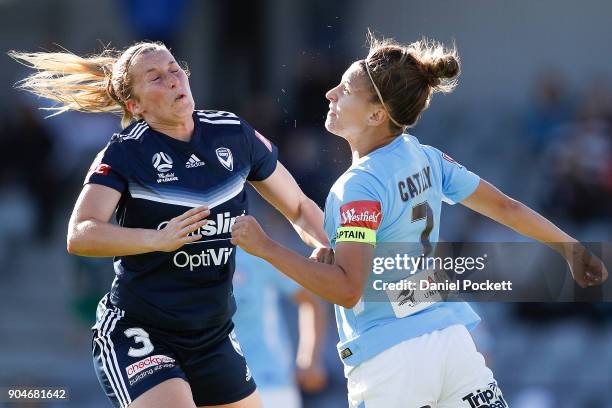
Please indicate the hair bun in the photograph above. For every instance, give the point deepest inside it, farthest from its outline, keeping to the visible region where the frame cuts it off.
(442, 68)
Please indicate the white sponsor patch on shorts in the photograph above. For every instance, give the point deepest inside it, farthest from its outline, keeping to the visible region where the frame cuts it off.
(148, 362)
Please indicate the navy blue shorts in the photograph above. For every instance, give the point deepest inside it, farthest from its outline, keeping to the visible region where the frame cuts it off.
(131, 358)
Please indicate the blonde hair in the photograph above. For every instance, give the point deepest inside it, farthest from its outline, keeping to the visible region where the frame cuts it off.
(404, 77)
(97, 83)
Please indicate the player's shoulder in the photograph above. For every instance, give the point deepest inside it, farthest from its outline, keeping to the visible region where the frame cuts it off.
(218, 118)
(431, 153)
(131, 134)
(438, 156)
(224, 124)
(389, 157)
(358, 178)
(431, 150)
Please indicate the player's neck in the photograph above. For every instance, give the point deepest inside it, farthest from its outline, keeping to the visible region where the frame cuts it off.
(364, 144)
(182, 131)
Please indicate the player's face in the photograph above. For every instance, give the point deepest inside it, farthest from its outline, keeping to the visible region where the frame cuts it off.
(350, 104)
(160, 88)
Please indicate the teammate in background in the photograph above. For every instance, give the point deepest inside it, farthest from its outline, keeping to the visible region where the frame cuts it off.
(392, 193)
(175, 177)
(264, 335)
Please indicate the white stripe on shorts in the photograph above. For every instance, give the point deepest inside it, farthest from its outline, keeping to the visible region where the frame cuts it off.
(109, 358)
(100, 341)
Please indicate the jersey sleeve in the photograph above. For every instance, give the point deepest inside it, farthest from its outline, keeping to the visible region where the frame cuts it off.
(458, 183)
(263, 153)
(359, 212)
(109, 168)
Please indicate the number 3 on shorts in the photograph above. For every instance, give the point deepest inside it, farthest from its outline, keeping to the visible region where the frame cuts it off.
(140, 336)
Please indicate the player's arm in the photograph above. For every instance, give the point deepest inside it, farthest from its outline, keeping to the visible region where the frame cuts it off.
(312, 321)
(91, 234)
(281, 190)
(341, 283)
(489, 201)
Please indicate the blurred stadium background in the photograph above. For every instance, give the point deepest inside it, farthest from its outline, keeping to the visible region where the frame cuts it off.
(532, 114)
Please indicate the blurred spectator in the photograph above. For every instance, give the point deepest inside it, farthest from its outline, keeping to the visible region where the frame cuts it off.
(580, 163)
(29, 165)
(535, 397)
(156, 20)
(242, 71)
(550, 110)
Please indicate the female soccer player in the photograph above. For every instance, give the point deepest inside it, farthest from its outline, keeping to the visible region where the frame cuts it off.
(175, 176)
(393, 193)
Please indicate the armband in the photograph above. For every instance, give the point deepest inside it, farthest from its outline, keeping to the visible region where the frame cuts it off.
(356, 234)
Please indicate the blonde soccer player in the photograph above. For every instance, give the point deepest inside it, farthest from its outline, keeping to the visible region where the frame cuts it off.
(175, 178)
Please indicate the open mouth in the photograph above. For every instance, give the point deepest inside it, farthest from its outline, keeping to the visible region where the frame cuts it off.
(180, 97)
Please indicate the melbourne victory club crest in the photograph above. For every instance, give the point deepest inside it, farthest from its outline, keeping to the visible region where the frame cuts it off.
(225, 158)
(162, 162)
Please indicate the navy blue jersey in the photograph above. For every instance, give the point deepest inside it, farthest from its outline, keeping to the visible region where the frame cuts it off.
(159, 178)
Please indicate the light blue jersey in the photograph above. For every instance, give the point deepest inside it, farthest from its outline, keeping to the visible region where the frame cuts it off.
(260, 326)
(394, 195)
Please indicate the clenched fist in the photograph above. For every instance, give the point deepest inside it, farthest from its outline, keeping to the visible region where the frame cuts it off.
(586, 268)
(248, 235)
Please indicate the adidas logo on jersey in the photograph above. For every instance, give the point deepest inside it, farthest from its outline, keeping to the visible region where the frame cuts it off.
(193, 161)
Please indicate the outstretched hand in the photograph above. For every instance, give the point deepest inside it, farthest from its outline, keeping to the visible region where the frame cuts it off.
(181, 230)
(248, 235)
(586, 268)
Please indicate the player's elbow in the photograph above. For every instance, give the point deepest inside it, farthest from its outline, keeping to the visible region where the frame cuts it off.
(75, 242)
(350, 297)
(73, 246)
(350, 302)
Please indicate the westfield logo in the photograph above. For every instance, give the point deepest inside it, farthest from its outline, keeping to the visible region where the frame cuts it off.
(364, 213)
(365, 216)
